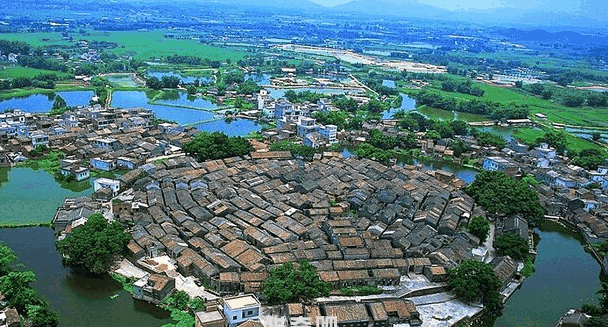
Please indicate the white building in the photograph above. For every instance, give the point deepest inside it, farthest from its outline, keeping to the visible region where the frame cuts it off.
(305, 126)
(100, 183)
(241, 308)
(328, 132)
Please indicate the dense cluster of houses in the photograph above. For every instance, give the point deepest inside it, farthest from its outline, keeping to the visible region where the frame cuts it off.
(91, 138)
(229, 222)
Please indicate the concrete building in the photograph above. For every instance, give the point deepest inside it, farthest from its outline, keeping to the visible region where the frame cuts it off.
(112, 184)
(153, 288)
(241, 308)
(210, 319)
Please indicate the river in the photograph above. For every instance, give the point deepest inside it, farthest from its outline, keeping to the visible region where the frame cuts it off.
(79, 300)
(566, 277)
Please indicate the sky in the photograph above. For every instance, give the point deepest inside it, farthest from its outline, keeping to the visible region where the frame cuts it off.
(545, 5)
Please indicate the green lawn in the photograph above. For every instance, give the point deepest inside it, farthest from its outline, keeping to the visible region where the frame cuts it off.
(574, 143)
(447, 115)
(556, 112)
(153, 44)
(19, 71)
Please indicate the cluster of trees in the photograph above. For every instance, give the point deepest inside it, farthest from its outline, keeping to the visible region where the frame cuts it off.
(44, 81)
(193, 60)
(300, 97)
(488, 139)
(168, 82)
(345, 103)
(95, 245)
(376, 83)
(59, 106)
(465, 86)
(492, 109)
(474, 281)
(248, 87)
(511, 244)
(479, 226)
(501, 194)
(341, 119)
(290, 284)
(16, 286)
(385, 142)
(217, 145)
(296, 149)
(234, 77)
(590, 159)
(41, 62)
(569, 97)
(7, 47)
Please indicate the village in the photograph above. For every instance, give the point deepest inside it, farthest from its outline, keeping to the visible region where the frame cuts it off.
(215, 229)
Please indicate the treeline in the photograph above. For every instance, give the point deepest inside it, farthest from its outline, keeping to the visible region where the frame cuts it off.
(44, 81)
(341, 119)
(16, 287)
(167, 82)
(193, 60)
(492, 109)
(7, 47)
(41, 62)
(376, 83)
(465, 86)
(568, 97)
(300, 97)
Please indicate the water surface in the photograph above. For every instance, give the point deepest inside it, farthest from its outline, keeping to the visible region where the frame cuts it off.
(44, 102)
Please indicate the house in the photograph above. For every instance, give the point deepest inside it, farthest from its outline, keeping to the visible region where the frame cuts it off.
(518, 225)
(543, 151)
(499, 164)
(241, 308)
(153, 288)
(110, 144)
(505, 269)
(40, 139)
(573, 318)
(103, 164)
(305, 126)
(9, 317)
(126, 163)
(101, 183)
(348, 314)
(210, 319)
(79, 173)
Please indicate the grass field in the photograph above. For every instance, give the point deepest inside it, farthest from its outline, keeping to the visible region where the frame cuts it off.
(19, 71)
(7, 94)
(447, 115)
(575, 143)
(153, 44)
(556, 112)
(142, 45)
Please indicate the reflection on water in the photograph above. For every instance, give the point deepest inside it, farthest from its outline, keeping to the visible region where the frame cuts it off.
(44, 102)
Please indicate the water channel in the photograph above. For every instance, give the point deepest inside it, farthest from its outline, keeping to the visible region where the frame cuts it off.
(44, 102)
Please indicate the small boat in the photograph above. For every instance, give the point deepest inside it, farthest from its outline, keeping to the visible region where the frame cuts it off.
(113, 296)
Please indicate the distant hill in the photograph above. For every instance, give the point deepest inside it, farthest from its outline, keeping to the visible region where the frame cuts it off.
(539, 35)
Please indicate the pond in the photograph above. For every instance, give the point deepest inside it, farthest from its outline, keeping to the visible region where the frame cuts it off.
(30, 196)
(44, 102)
(468, 175)
(185, 79)
(389, 83)
(236, 127)
(277, 93)
(122, 80)
(566, 277)
(408, 104)
(183, 116)
(587, 133)
(260, 79)
(177, 109)
(78, 299)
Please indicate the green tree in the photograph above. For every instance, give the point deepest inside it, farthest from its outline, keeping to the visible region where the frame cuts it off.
(479, 226)
(433, 134)
(59, 103)
(596, 136)
(287, 283)
(95, 245)
(501, 194)
(511, 244)
(16, 287)
(476, 281)
(154, 83)
(216, 145)
(7, 258)
(595, 322)
(41, 316)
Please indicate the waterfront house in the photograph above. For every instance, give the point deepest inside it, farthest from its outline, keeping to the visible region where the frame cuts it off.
(79, 173)
(153, 288)
(39, 138)
(499, 164)
(103, 164)
(113, 185)
(241, 308)
(210, 319)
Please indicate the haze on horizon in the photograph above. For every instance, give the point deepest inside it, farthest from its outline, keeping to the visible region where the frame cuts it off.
(575, 6)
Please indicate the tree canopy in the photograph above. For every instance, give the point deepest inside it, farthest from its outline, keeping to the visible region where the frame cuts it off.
(511, 244)
(287, 283)
(217, 145)
(479, 226)
(94, 245)
(501, 194)
(476, 281)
